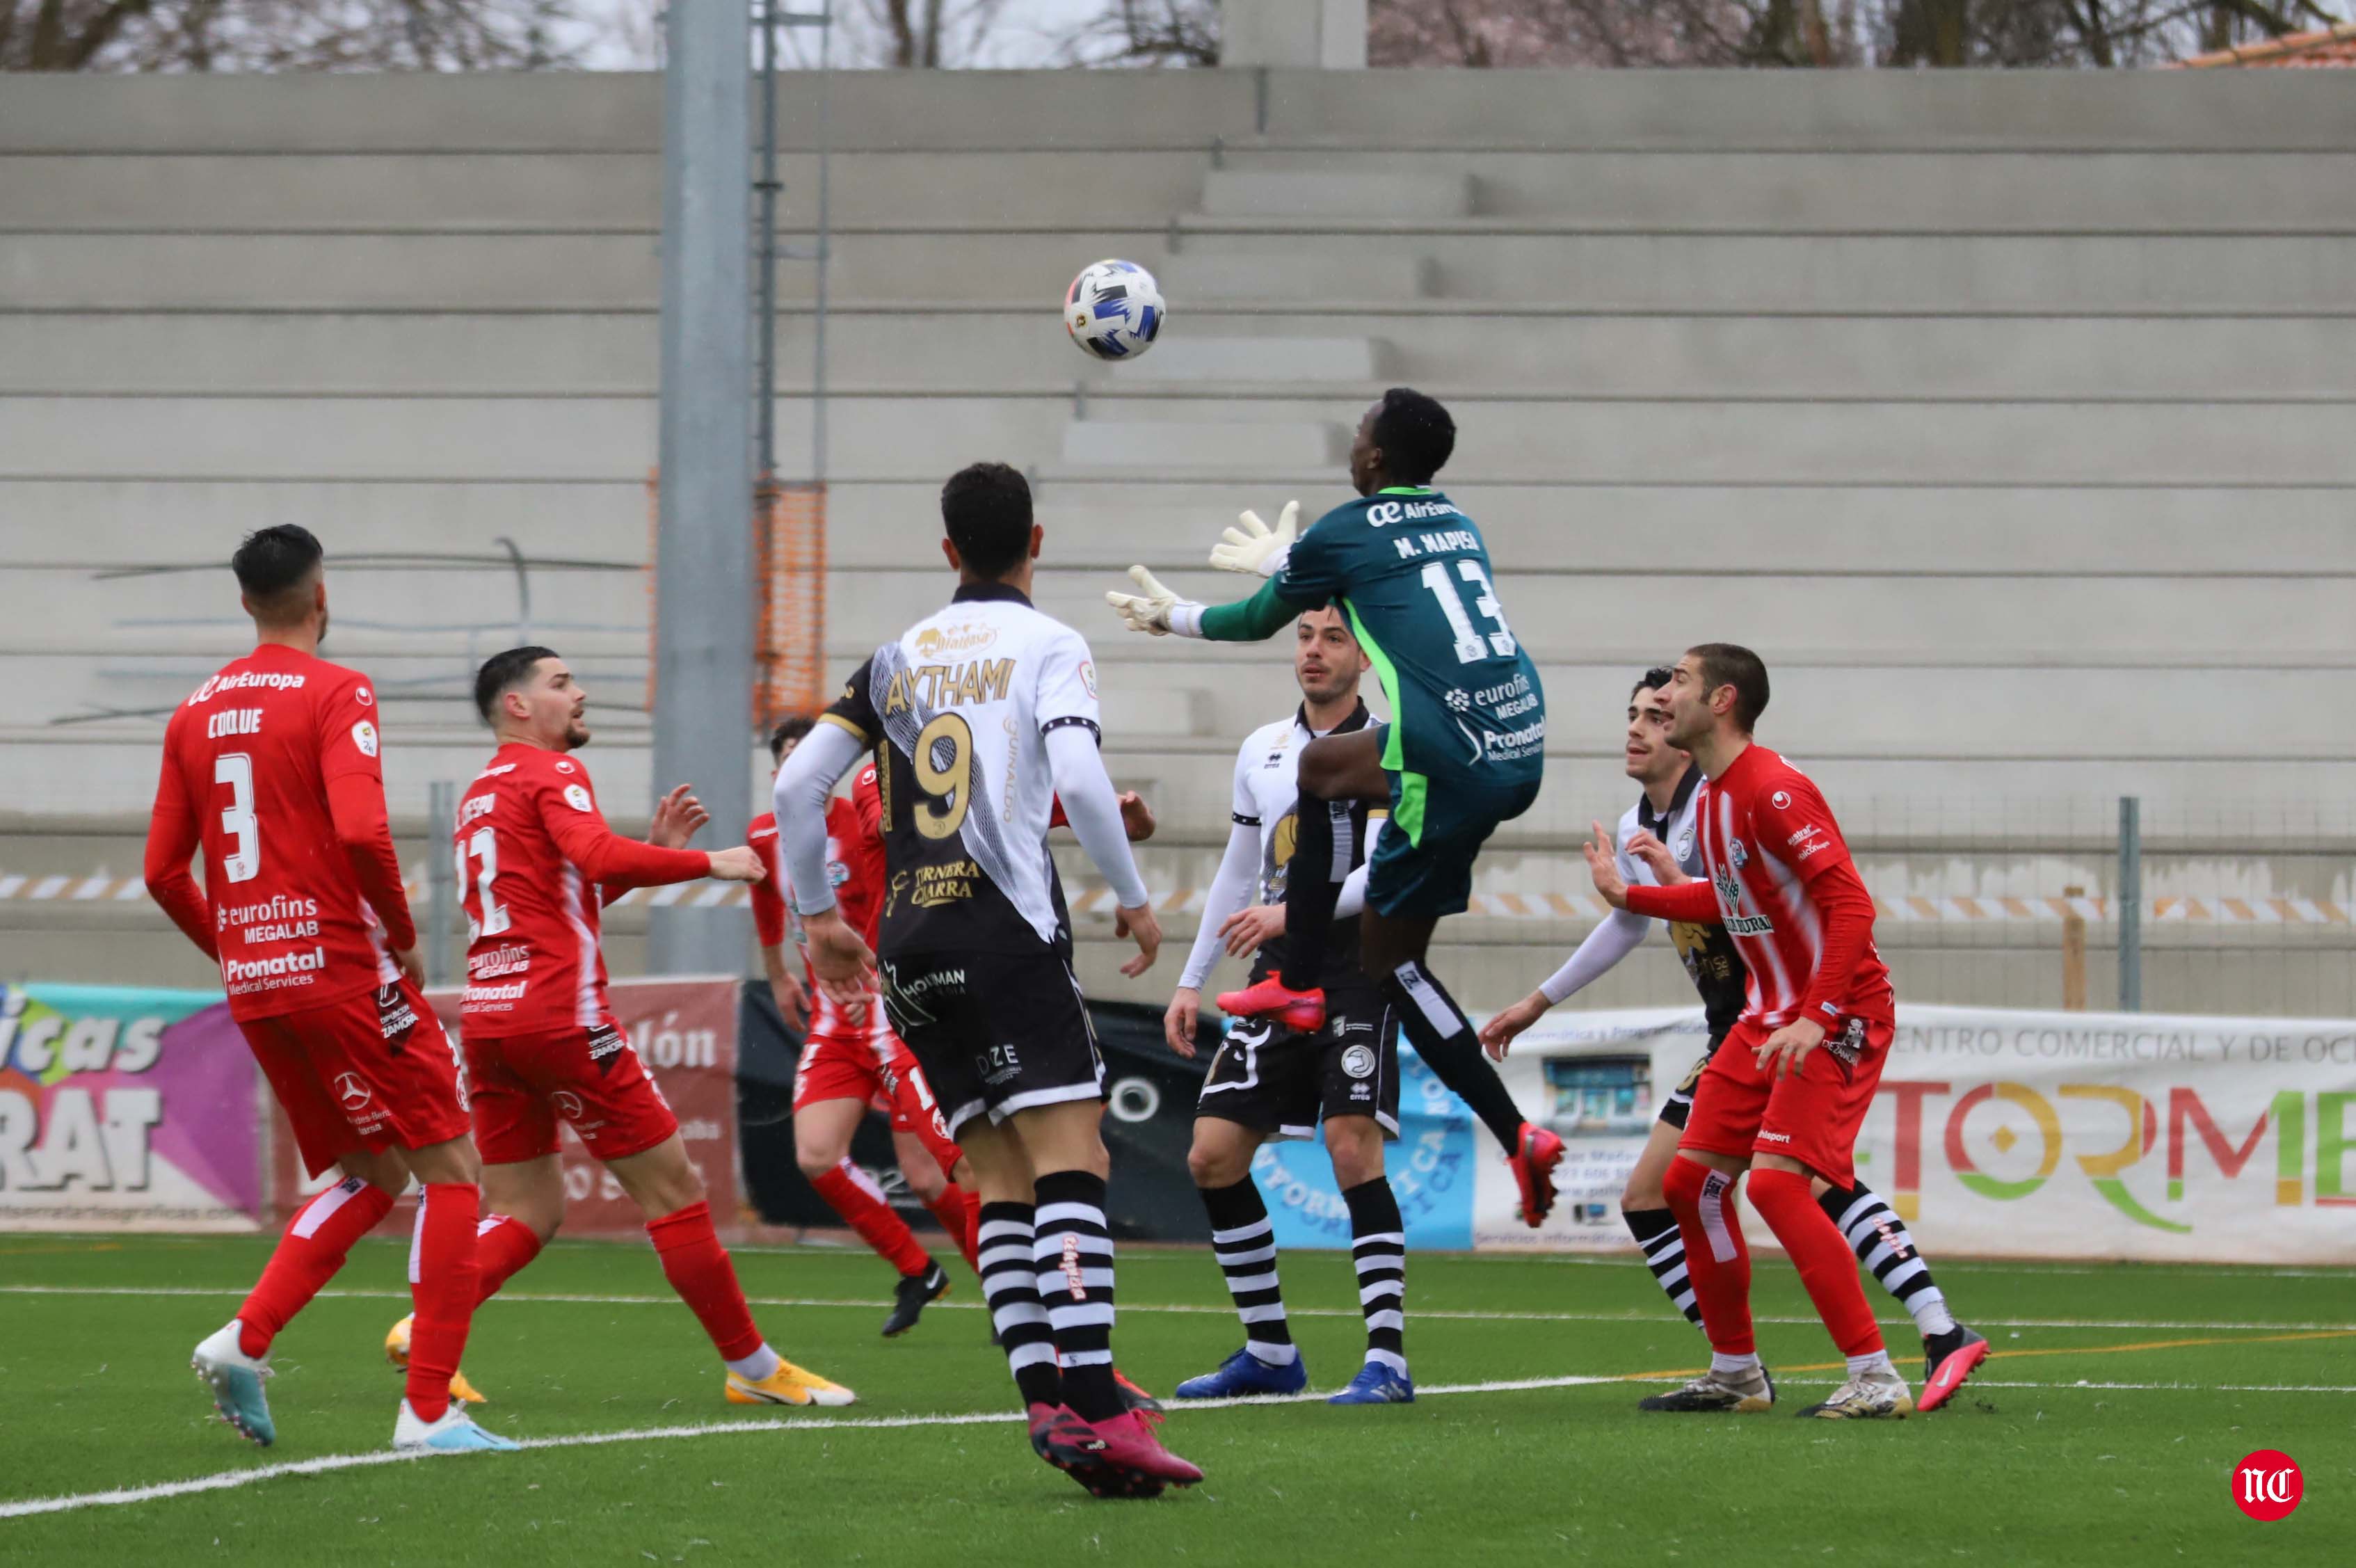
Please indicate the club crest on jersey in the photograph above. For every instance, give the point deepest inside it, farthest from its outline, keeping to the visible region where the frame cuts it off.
(1737, 853)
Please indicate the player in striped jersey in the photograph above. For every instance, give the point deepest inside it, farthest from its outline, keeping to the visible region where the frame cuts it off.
(1268, 1081)
(1659, 845)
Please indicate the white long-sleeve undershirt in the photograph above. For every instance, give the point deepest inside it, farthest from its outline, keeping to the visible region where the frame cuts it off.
(1621, 934)
(799, 797)
(1093, 808)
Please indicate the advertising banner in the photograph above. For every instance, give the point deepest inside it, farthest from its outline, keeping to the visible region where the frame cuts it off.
(684, 1031)
(2000, 1133)
(1431, 1169)
(125, 1109)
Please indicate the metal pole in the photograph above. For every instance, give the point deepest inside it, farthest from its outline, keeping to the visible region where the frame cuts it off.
(766, 414)
(2130, 903)
(704, 547)
(441, 878)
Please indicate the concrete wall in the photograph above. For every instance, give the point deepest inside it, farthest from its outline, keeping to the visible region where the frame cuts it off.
(2004, 414)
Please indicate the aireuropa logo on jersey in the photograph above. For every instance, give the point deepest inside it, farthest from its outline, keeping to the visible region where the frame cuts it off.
(247, 680)
(1382, 514)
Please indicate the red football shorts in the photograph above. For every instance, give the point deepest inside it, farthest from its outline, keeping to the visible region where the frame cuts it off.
(521, 1085)
(1812, 1117)
(372, 1072)
(836, 1068)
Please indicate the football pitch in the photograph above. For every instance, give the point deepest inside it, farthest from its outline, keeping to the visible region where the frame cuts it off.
(2105, 1428)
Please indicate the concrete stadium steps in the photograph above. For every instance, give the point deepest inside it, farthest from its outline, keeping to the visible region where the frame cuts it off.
(443, 354)
(1956, 443)
(1543, 270)
(1017, 187)
(1579, 356)
(1553, 267)
(613, 438)
(1010, 188)
(1338, 185)
(1306, 277)
(1688, 110)
(1635, 536)
(1784, 191)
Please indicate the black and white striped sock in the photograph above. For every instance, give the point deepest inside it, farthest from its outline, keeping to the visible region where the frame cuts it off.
(1073, 1254)
(1878, 1238)
(1010, 1284)
(1245, 1243)
(1664, 1245)
(1378, 1246)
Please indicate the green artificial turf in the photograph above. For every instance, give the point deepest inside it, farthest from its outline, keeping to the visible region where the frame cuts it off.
(2104, 1429)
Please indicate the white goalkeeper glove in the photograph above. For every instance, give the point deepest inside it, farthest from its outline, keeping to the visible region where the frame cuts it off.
(1156, 610)
(1254, 547)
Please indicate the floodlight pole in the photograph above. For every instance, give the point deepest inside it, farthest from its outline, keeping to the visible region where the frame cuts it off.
(704, 547)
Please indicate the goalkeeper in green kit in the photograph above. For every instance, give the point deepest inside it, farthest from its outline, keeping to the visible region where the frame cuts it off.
(1462, 753)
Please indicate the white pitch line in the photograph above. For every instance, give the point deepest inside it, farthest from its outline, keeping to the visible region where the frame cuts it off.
(226, 1479)
(1182, 1308)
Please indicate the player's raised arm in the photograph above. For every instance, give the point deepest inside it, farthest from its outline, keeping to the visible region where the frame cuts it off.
(172, 840)
(608, 859)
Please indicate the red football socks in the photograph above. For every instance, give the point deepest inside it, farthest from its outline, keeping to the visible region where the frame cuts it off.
(962, 1217)
(1716, 1261)
(861, 1203)
(697, 1268)
(502, 1247)
(1817, 1249)
(307, 1256)
(444, 1279)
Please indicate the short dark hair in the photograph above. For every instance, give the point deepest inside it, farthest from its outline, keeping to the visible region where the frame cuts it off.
(1731, 664)
(1414, 434)
(273, 563)
(788, 730)
(1656, 678)
(501, 673)
(986, 507)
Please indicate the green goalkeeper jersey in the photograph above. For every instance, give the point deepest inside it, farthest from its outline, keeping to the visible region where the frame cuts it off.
(1412, 574)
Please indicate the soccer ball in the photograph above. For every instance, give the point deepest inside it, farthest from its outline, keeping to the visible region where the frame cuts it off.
(1114, 310)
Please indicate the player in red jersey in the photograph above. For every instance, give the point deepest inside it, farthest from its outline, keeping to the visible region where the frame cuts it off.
(536, 862)
(271, 767)
(851, 1061)
(1783, 1097)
